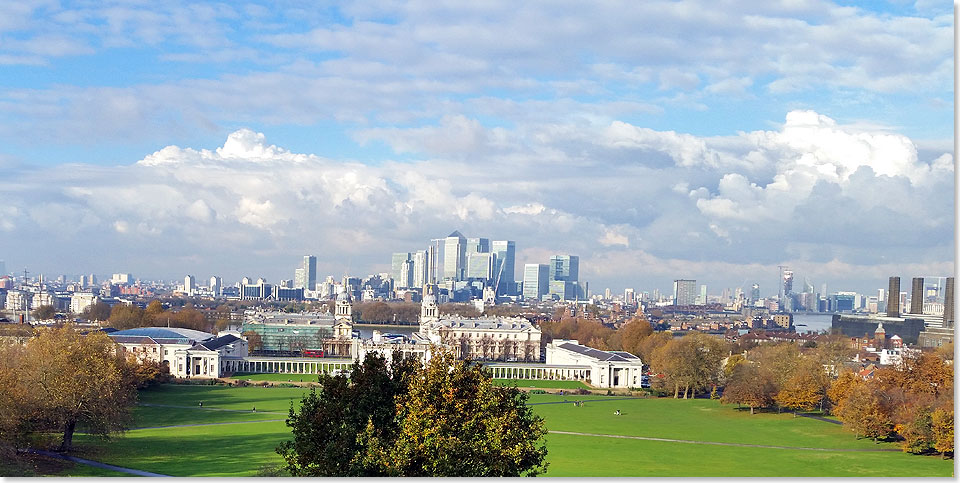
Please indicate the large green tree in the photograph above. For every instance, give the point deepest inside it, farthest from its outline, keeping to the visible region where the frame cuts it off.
(405, 419)
(456, 422)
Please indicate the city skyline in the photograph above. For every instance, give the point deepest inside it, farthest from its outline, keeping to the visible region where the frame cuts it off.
(657, 142)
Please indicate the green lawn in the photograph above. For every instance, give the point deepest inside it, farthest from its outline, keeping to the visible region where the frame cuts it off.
(255, 377)
(584, 456)
(237, 450)
(526, 383)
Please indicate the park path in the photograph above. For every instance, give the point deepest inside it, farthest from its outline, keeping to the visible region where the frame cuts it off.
(210, 409)
(716, 443)
(97, 464)
(209, 424)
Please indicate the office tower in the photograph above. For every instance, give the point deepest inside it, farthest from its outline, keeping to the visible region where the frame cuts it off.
(433, 261)
(480, 266)
(948, 308)
(299, 278)
(703, 294)
(535, 280)
(565, 267)
(684, 292)
(454, 256)
(83, 281)
(400, 270)
(505, 269)
(189, 284)
(916, 296)
(406, 275)
(477, 245)
(880, 297)
(754, 293)
(310, 272)
(629, 297)
(421, 268)
(216, 286)
(893, 297)
(121, 278)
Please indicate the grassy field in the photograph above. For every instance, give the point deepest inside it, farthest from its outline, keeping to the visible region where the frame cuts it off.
(247, 440)
(528, 383)
(276, 377)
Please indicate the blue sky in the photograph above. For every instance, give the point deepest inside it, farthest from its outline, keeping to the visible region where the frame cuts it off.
(658, 140)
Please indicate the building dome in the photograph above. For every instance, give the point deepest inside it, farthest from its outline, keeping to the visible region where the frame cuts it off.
(343, 296)
(430, 299)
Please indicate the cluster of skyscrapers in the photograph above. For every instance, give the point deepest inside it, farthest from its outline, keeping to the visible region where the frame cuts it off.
(466, 262)
(559, 279)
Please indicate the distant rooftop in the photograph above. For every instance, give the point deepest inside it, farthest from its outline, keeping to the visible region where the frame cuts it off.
(165, 333)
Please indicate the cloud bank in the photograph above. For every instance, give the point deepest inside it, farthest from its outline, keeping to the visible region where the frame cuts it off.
(838, 203)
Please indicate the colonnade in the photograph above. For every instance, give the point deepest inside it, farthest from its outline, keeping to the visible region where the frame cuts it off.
(281, 366)
(540, 373)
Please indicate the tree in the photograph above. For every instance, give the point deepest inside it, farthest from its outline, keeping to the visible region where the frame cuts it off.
(750, 386)
(326, 428)
(841, 387)
(97, 311)
(445, 419)
(44, 312)
(692, 361)
(154, 311)
(456, 422)
(862, 412)
(805, 389)
(254, 340)
(633, 333)
(71, 380)
(942, 427)
(124, 316)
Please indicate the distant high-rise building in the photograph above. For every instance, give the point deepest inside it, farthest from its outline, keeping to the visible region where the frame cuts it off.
(401, 271)
(421, 268)
(754, 293)
(948, 304)
(216, 286)
(189, 284)
(916, 296)
(121, 278)
(299, 278)
(309, 272)
(629, 297)
(880, 295)
(480, 266)
(454, 256)
(535, 280)
(565, 267)
(703, 295)
(505, 269)
(684, 292)
(433, 262)
(477, 245)
(893, 298)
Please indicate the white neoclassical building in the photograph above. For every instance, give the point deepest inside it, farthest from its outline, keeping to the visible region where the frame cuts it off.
(187, 352)
(605, 368)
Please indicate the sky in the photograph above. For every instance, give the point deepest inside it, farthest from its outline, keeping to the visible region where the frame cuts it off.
(656, 140)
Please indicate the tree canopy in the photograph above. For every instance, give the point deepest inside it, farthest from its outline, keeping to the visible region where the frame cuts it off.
(405, 419)
(60, 380)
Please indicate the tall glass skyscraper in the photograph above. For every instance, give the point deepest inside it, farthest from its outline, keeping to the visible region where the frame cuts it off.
(504, 271)
(310, 272)
(565, 267)
(535, 280)
(454, 256)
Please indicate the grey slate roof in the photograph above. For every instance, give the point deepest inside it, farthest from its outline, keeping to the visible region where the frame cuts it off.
(220, 342)
(617, 356)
